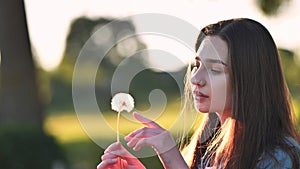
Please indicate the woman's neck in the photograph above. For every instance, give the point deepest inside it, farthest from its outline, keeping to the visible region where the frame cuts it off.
(223, 116)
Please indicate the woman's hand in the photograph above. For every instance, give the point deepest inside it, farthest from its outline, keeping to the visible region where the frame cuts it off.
(158, 138)
(153, 136)
(116, 157)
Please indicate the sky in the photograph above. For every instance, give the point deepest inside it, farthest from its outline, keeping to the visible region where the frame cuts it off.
(49, 21)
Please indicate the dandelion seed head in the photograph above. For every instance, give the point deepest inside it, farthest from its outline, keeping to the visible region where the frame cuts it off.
(121, 102)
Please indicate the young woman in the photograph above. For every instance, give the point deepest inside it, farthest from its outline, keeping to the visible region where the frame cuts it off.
(237, 78)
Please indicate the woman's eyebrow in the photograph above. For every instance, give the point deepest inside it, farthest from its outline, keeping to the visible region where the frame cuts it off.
(216, 61)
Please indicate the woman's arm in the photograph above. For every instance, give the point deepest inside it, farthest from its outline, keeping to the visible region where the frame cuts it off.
(173, 159)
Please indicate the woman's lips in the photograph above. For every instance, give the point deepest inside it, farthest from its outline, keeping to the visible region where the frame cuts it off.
(200, 96)
(197, 93)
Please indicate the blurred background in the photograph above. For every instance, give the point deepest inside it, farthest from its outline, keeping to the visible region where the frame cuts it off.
(41, 40)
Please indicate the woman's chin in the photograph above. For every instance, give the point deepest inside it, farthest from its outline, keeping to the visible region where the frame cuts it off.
(203, 111)
(202, 108)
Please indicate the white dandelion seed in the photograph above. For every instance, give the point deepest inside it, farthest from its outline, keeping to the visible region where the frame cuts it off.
(121, 102)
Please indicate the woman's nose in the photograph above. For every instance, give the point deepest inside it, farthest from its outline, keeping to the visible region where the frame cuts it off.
(198, 81)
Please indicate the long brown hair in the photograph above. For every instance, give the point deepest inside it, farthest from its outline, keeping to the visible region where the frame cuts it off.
(262, 116)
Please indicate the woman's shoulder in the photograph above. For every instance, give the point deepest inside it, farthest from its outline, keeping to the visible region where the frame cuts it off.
(280, 159)
(292, 142)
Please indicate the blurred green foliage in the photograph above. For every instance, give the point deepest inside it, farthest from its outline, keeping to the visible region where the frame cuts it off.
(291, 69)
(271, 7)
(24, 147)
(80, 31)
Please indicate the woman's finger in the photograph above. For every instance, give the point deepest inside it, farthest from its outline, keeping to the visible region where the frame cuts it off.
(135, 139)
(107, 163)
(146, 121)
(133, 134)
(141, 143)
(161, 142)
(108, 156)
(143, 133)
(119, 153)
(113, 147)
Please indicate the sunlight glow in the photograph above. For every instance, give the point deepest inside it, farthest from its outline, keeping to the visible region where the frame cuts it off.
(49, 21)
(179, 56)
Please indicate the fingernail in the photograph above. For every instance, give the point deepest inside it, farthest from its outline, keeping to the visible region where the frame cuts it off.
(114, 160)
(135, 149)
(128, 144)
(128, 138)
(125, 138)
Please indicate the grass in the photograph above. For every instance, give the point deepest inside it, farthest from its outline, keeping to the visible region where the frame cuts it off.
(67, 127)
(81, 151)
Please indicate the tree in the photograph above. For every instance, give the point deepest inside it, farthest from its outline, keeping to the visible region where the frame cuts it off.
(271, 7)
(81, 29)
(19, 98)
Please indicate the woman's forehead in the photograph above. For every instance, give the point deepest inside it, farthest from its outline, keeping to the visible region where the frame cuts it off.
(213, 47)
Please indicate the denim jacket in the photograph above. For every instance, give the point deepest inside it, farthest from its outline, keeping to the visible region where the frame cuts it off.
(283, 160)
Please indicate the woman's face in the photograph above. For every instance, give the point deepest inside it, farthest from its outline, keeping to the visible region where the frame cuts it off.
(210, 79)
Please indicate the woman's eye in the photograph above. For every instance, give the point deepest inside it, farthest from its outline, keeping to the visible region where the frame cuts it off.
(215, 71)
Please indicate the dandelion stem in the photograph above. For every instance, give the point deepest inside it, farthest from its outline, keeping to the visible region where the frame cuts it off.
(118, 138)
(118, 127)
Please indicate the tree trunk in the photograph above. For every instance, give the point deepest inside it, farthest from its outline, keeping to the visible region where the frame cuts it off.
(19, 99)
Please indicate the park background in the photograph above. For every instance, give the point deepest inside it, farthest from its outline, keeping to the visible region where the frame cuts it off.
(40, 42)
